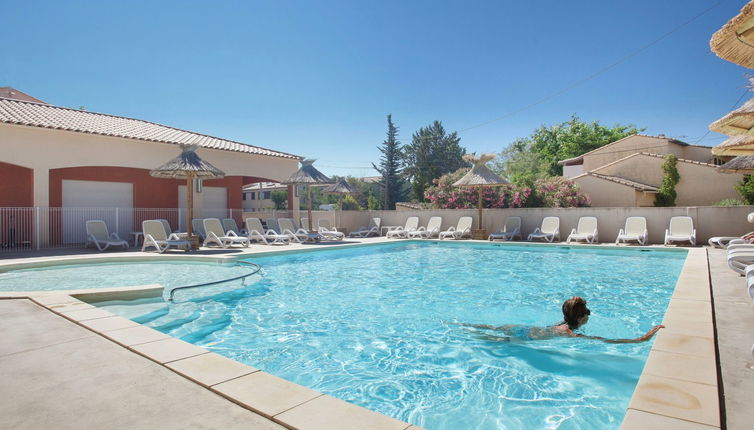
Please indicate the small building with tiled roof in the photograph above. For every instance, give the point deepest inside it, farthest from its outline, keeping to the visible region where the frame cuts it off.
(628, 173)
(52, 156)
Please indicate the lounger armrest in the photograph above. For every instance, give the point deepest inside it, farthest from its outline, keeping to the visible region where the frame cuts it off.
(667, 232)
(573, 231)
(621, 232)
(115, 236)
(536, 231)
(231, 233)
(738, 242)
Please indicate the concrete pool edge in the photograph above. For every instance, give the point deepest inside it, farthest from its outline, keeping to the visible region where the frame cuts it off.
(284, 402)
(667, 393)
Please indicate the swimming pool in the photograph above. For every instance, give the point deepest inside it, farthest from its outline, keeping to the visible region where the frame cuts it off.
(376, 326)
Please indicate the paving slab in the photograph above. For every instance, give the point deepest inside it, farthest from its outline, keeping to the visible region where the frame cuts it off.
(74, 379)
(734, 319)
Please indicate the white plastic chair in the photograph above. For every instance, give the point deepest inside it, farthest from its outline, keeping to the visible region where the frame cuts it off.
(328, 232)
(373, 229)
(548, 231)
(585, 230)
(255, 232)
(157, 237)
(97, 234)
(216, 235)
(461, 230)
(681, 229)
(229, 224)
(412, 224)
(634, 230)
(510, 230)
(296, 235)
(433, 228)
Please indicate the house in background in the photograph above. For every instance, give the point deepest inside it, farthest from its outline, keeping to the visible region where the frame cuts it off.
(258, 197)
(628, 172)
(58, 157)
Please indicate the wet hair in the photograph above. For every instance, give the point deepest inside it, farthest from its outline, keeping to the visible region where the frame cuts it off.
(573, 310)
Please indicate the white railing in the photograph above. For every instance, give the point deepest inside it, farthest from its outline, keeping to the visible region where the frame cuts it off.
(35, 228)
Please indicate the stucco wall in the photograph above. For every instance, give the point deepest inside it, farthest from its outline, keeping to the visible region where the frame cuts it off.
(639, 168)
(700, 185)
(16, 186)
(709, 221)
(697, 153)
(44, 149)
(573, 170)
(623, 148)
(606, 193)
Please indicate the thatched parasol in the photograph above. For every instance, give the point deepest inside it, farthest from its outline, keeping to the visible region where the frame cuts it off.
(742, 164)
(307, 175)
(737, 122)
(735, 41)
(480, 176)
(736, 145)
(341, 188)
(188, 165)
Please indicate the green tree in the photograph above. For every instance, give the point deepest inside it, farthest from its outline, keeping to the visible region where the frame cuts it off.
(431, 154)
(746, 189)
(666, 194)
(280, 199)
(389, 168)
(350, 204)
(536, 156)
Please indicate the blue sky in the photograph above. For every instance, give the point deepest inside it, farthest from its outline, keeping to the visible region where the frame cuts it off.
(318, 78)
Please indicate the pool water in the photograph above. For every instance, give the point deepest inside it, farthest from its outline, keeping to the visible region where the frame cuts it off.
(376, 326)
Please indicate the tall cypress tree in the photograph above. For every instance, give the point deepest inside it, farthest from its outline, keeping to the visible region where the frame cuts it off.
(389, 168)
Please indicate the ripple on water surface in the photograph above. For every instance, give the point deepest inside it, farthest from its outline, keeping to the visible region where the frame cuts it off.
(375, 327)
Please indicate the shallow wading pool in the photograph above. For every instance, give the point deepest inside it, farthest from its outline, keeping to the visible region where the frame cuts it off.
(375, 326)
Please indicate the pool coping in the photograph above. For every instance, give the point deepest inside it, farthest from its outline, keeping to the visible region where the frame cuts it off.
(678, 385)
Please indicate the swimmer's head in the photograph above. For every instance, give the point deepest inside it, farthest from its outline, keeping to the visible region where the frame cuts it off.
(575, 312)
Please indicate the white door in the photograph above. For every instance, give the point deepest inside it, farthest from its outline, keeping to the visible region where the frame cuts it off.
(111, 202)
(214, 203)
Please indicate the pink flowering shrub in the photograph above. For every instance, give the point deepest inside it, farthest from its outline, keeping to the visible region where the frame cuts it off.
(442, 194)
(551, 192)
(559, 192)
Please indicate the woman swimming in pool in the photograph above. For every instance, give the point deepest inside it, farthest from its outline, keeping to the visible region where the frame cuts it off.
(575, 315)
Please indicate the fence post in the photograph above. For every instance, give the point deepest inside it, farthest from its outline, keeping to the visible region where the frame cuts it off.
(117, 222)
(37, 239)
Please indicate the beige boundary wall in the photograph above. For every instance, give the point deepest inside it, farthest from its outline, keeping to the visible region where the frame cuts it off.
(709, 221)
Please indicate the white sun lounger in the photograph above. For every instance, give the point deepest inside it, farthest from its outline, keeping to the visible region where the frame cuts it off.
(461, 230)
(373, 229)
(548, 231)
(197, 227)
(229, 224)
(412, 224)
(634, 230)
(724, 241)
(216, 235)
(328, 232)
(433, 228)
(296, 235)
(272, 224)
(157, 237)
(97, 234)
(255, 232)
(585, 230)
(681, 229)
(510, 230)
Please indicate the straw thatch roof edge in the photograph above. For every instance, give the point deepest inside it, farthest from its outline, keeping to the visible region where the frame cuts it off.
(726, 43)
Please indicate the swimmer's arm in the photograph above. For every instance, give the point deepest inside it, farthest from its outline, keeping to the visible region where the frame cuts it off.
(486, 326)
(644, 338)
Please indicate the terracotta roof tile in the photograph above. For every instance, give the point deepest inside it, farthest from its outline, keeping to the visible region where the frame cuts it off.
(60, 118)
(636, 185)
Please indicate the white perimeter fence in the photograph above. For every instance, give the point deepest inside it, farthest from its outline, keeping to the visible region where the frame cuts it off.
(37, 228)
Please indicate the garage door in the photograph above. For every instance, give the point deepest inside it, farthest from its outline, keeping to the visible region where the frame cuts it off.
(214, 202)
(111, 202)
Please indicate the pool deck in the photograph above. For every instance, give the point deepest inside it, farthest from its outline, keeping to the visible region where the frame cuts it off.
(678, 388)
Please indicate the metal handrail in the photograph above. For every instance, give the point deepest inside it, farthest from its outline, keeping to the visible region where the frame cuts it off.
(206, 284)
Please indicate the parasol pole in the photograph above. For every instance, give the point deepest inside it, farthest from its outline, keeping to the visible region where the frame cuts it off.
(480, 206)
(309, 210)
(189, 202)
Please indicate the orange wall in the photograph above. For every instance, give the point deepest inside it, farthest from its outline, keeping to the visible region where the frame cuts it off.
(16, 186)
